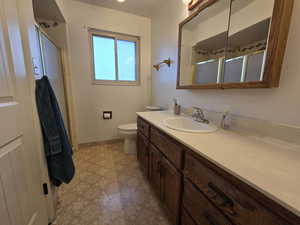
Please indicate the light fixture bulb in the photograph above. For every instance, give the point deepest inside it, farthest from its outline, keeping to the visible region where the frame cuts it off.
(121, 1)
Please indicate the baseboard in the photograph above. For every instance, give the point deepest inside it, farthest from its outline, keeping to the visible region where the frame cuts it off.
(113, 141)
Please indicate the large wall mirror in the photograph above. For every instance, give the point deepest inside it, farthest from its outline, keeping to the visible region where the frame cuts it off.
(233, 44)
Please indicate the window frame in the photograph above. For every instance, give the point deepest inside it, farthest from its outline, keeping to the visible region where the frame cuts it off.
(116, 36)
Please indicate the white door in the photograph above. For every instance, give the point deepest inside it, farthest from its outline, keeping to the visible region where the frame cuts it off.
(22, 200)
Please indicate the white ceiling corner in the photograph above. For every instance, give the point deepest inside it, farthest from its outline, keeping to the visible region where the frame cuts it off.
(137, 7)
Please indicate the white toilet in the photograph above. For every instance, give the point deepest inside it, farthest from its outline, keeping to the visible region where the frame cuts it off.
(129, 131)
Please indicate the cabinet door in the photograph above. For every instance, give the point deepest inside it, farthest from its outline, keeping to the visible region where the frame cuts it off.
(154, 169)
(171, 190)
(143, 153)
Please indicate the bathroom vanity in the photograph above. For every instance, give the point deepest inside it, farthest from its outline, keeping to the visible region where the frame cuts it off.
(220, 178)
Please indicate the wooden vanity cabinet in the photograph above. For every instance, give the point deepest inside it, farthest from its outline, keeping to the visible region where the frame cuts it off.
(143, 153)
(195, 191)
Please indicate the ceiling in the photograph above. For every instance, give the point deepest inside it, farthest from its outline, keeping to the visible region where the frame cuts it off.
(138, 7)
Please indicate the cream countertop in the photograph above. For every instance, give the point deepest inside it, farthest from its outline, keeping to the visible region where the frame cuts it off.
(270, 166)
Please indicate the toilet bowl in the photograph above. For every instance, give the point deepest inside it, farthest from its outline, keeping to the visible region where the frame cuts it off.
(129, 131)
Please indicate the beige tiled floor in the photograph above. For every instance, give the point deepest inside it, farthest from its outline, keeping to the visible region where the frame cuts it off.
(108, 189)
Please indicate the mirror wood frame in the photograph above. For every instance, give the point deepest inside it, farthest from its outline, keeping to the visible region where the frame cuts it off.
(277, 42)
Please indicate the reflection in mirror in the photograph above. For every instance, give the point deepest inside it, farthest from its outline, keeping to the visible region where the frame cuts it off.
(203, 44)
(247, 40)
(234, 67)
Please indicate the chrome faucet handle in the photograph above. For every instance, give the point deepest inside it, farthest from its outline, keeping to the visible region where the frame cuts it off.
(199, 116)
(198, 110)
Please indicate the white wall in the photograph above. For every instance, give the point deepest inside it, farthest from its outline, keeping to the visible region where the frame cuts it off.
(280, 105)
(90, 100)
(243, 11)
(213, 22)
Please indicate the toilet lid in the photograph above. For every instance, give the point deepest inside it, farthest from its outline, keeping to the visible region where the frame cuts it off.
(153, 108)
(128, 127)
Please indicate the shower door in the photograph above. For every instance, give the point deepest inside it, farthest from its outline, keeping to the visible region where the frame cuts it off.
(52, 68)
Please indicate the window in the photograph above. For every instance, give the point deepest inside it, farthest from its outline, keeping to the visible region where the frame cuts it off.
(115, 58)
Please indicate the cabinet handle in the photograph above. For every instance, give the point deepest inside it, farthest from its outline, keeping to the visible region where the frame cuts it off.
(227, 202)
(210, 219)
(210, 194)
(230, 211)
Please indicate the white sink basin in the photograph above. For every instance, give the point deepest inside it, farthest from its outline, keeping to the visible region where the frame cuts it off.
(188, 125)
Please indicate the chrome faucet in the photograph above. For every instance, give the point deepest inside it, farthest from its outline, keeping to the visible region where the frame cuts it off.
(199, 116)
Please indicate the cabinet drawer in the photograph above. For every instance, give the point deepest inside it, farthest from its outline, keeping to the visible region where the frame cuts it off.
(171, 149)
(186, 219)
(143, 127)
(200, 209)
(232, 201)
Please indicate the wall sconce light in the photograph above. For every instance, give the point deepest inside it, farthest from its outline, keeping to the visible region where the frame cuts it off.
(167, 62)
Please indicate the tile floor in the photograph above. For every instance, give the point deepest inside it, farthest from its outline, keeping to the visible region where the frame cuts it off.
(108, 189)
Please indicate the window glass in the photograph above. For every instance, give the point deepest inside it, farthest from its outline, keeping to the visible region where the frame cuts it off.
(104, 58)
(126, 60)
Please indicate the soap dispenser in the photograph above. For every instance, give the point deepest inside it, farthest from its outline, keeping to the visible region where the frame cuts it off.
(177, 107)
